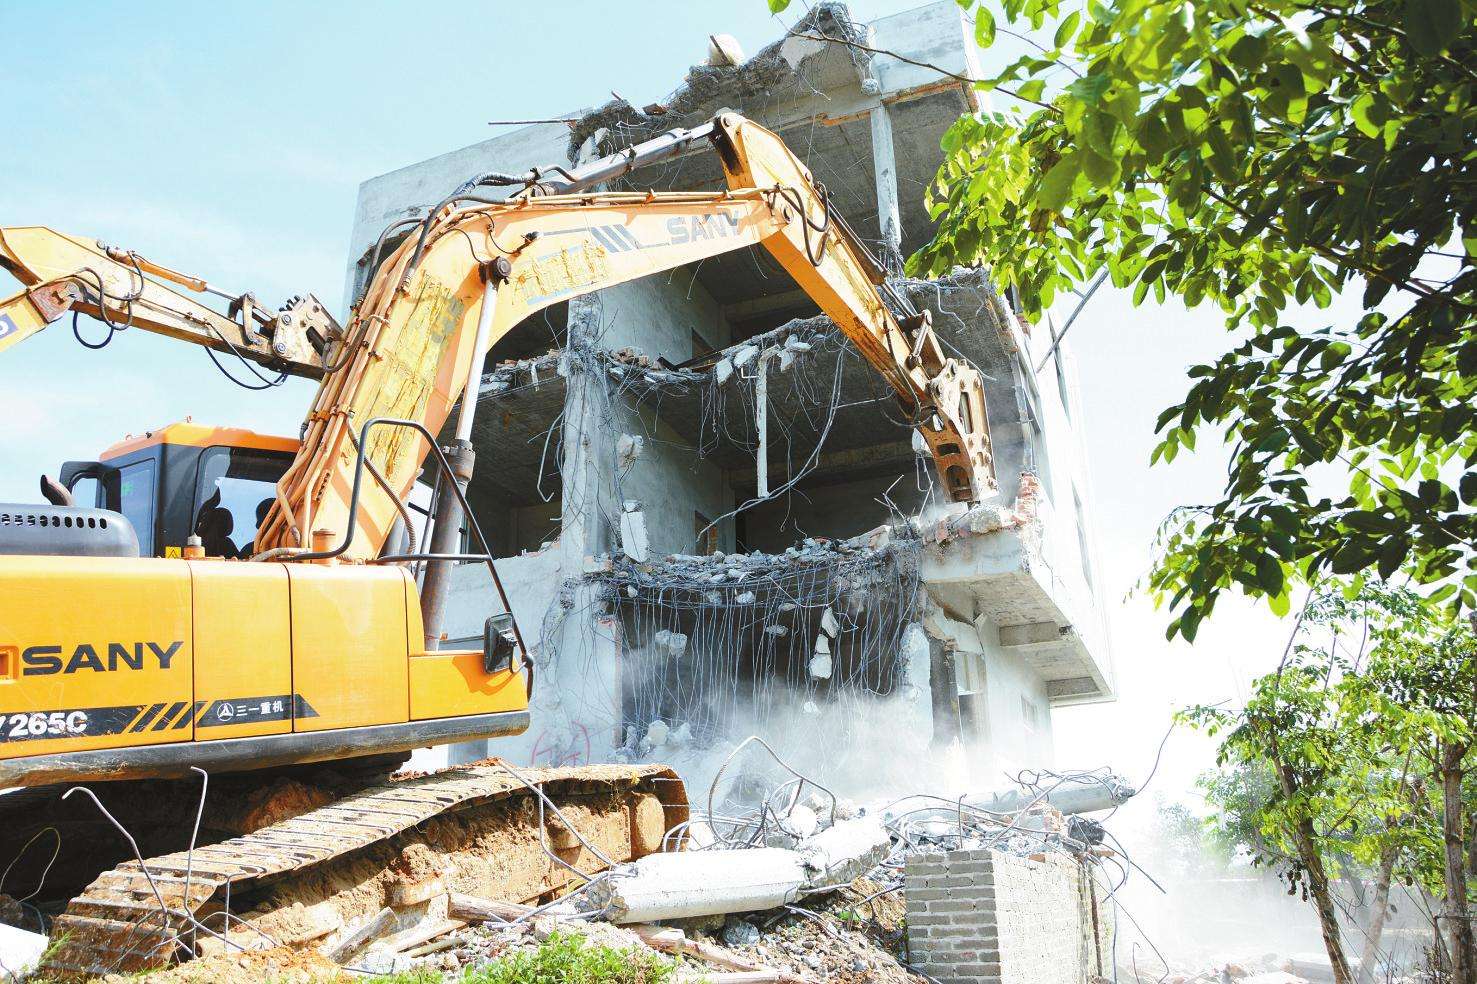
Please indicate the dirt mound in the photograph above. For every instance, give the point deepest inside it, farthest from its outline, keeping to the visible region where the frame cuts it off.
(281, 966)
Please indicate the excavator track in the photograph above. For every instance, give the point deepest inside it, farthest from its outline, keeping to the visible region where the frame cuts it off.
(142, 916)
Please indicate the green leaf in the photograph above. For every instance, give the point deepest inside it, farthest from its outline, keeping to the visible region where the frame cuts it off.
(1269, 574)
(1066, 29)
(1392, 555)
(1091, 87)
(1153, 136)
(1222, 158)
(1359, 110)
(1431, 25)
(1031, 90)
(778, 6)
(1099, 170)
(984, 26)
(1056, 186)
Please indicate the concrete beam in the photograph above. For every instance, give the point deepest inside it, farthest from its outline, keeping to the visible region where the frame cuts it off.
(1032, 634)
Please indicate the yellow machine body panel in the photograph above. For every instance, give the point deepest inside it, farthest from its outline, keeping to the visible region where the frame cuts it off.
(97, 653)
(243, 642)
(106, 655)
(452, 683)
(349, 645)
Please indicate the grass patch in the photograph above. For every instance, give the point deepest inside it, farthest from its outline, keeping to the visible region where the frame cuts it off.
(564, 958)
(421, 975)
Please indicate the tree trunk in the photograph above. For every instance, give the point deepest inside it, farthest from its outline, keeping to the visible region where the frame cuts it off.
(1455, 914)
(1305, 839)
(1379, 908)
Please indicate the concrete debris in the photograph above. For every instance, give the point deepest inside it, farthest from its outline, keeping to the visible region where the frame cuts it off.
(633, 535)
(844, 852)
(737, 932)
(700, 883)
(710, 88)
(628, 448)
(724, 51)
(744, 355)
(20, 950)
(707, 883)
(797, 887)
(820, 664)
(1086, 796)
(722, 371)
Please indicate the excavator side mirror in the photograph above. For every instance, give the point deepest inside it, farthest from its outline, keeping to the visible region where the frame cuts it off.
(497, 643)
(105, 475)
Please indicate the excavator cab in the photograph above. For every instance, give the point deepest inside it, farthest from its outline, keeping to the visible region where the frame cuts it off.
(185, 479)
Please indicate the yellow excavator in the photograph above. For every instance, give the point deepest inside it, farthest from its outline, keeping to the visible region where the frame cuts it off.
(235, 603)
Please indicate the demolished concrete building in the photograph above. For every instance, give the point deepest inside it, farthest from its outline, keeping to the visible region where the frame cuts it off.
(712, 517)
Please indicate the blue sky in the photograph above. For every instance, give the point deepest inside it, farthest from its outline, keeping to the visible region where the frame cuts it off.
(228, 140)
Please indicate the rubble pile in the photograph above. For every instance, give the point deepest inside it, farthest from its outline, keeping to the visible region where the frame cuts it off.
(787, 343)
(721, 570)
(776, 69)
(773, 878)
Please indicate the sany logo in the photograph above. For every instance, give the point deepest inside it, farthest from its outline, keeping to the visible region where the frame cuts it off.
(102, 658)
(699, 227)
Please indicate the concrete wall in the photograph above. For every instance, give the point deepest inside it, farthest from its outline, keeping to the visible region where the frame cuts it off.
(673, 485)
(388, 197)
(659, 317)
(660, 314)
(1069, 542)
(986, 917)
(1010, 702)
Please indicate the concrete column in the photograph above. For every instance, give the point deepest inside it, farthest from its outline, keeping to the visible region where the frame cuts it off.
(944, 686)
(589, 449)
(578, 701)
(884, 166)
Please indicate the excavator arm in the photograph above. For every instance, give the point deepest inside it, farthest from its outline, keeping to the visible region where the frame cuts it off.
(475, 271)
(63, 273)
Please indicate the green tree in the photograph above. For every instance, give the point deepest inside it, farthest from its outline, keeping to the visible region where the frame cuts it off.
(1366, 731)
(1254, 155)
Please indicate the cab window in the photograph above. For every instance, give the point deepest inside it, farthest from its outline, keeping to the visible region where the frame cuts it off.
(235, 488)
(136, 500)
